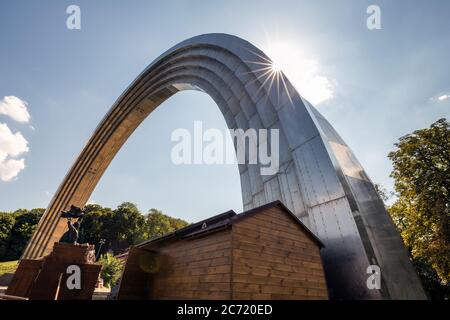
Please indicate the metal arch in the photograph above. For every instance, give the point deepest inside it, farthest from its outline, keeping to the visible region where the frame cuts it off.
(319, 180)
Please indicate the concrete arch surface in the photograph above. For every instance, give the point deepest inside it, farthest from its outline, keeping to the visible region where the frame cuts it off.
(319, 179)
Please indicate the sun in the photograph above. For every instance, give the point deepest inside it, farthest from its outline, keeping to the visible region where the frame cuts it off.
(288, 60)
(282, 55)
(276, 67)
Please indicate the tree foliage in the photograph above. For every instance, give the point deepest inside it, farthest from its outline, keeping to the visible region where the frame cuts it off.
(111, 269)
(158, 224)
(108, 229)
(383, 193)
(96, 226)
(6, 224)
(124, 226)
(437, 290)
(127, 225)
(421, 170)
(14, 238)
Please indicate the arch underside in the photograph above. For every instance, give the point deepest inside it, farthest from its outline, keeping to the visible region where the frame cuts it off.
(319, 179)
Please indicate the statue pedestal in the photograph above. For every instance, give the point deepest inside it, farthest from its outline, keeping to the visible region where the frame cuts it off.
(46, 279)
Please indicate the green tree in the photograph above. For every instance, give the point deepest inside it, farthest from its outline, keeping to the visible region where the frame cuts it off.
(24, 225)
(96, 226)
(158, 224)
(119, 228)
(124, 226)
(421, 170)
(384, 194)
(430, 280)
(127, 226)
(7, 221)
(111, 269)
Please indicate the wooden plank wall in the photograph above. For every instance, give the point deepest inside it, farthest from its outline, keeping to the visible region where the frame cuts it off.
(134, 282)
(273, 258)
(194, 269)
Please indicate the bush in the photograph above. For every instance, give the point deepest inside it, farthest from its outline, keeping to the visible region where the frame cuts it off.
(111, 269)
(8, 267)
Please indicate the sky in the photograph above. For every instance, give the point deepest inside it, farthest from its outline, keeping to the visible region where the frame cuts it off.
(56, 84)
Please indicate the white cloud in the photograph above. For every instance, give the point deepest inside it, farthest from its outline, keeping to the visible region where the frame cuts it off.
(11, 145)
(15, 108)
(9, 169)
(317, 88)
(444, 97)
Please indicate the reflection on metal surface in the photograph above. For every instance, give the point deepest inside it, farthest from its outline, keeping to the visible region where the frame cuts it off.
(319, 179)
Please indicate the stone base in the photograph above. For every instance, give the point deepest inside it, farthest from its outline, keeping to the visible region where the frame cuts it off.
(46, 279)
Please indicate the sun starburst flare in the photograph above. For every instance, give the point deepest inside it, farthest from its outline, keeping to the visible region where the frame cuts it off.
(286, 62)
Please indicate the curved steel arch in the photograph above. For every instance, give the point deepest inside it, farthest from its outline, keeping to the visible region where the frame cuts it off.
(319, 179)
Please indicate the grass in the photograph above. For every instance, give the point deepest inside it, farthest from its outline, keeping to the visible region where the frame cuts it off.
(8, 267)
